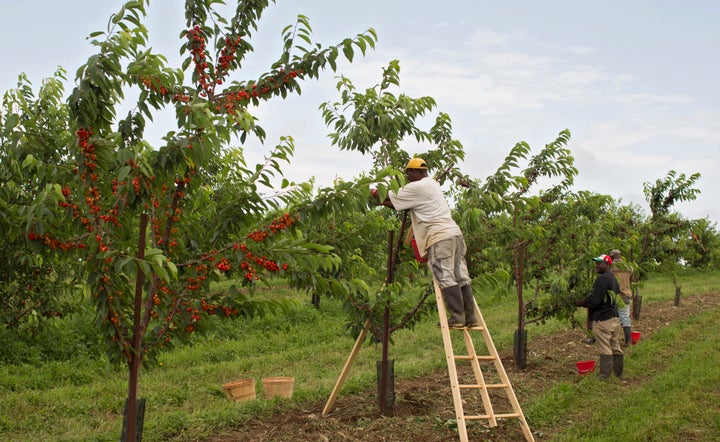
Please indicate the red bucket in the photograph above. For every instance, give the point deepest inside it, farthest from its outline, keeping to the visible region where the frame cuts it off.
(635, 337)
(418, 258)
(585, 367)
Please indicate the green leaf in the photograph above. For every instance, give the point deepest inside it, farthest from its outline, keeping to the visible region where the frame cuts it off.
(160, 271)
(347, 49)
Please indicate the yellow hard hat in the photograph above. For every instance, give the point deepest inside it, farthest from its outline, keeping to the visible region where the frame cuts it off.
(416, 163)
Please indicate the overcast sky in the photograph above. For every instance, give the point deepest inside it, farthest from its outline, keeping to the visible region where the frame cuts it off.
(635, 82)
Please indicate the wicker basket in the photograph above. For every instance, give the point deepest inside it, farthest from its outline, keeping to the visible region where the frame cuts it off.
(240, 391)
(278, 386)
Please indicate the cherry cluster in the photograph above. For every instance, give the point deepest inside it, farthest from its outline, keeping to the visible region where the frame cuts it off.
(275, 227)
(226, 58)
(229, 100)
(54, 243)
(154, 85)
(92, 199)
(213, 309)
(224, 265)
(197, 45)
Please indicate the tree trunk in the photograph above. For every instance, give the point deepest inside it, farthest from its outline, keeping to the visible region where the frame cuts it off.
(520, 344)
(520, 348)
(677, 296)
(315, 300)
(384, 375)
(386, 386)
(636, 305)
(387, 397)
(135, 357)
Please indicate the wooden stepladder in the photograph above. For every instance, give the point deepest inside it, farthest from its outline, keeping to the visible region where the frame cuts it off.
(480, 384)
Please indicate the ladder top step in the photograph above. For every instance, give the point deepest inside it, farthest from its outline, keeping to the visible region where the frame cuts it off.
(477, 327)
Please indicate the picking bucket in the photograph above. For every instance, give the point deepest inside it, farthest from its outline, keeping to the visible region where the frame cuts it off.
(278, 386)
(416, 251)
(240, 391)
(635, 337)
(585, 367)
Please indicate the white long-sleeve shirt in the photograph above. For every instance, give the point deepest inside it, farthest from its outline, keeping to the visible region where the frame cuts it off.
(429, 212)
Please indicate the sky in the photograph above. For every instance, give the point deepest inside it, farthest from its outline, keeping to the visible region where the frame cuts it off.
(635, 82)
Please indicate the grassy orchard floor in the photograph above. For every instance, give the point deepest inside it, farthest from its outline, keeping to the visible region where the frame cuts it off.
(672, 382)
(669, 394)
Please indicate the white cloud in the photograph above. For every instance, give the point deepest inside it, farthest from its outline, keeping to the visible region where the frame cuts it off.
(582, 50)
(582, 76)
(485, 37)
(649, 98)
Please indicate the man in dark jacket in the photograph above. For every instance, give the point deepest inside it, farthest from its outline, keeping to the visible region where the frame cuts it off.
(603, 313)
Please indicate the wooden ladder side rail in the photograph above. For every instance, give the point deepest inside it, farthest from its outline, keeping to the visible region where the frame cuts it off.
(452, 369)
(346, 369)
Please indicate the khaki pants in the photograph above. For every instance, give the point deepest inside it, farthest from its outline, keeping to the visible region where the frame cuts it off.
(607, 336)
(446, 260)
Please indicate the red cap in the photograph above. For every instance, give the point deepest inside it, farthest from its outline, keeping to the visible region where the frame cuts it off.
(603, 258)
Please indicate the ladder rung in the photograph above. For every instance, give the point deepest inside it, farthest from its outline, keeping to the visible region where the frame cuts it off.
(479, 358)
(487, 416)
(480, 387)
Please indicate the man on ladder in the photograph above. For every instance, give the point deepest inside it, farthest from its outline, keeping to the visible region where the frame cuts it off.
(439, 238)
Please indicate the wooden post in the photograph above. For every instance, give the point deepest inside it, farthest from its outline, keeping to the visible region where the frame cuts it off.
(343, 374)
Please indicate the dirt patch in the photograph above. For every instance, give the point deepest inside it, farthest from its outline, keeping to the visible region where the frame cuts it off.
(424, 410)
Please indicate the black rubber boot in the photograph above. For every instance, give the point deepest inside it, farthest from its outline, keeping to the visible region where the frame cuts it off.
(627, 331)
(618, 365)
(606, 367)
(454, 304)
(469, 306)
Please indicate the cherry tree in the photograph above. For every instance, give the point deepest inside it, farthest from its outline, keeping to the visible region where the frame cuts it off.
(517, 210)
(157, 224)
(379, 123)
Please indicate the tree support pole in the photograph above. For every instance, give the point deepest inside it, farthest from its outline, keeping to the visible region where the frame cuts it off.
(343, 375)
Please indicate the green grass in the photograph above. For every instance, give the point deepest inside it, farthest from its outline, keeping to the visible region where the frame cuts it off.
(83, 398)
(660, 286)
(677, 396)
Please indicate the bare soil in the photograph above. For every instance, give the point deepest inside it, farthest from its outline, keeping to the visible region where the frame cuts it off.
(424, 411)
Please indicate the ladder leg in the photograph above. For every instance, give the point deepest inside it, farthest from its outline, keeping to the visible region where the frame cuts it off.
(503, 376)
(479, 377)
(452, 370)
